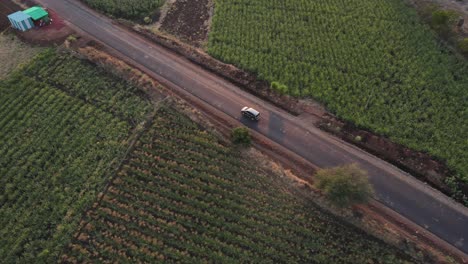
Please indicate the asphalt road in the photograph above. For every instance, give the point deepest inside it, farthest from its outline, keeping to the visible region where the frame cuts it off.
(395, 188)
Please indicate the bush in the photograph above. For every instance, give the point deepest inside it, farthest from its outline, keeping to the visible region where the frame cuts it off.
(241, 135)
(463, 46)
(442, 20)
(147, 20)
(280, 88)
(345, 185)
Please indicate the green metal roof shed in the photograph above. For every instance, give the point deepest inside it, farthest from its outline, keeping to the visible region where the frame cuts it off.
(36, 13)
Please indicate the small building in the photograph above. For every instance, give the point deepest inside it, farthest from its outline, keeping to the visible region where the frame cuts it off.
(21, 21)
(37, 14)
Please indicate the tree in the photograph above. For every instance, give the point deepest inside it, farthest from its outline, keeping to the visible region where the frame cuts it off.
(344, 185)
(241, 135)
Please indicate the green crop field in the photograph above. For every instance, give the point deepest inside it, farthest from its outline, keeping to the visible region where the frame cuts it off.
(184, 197)
(370, 62)
(64, 126)
(129, 9)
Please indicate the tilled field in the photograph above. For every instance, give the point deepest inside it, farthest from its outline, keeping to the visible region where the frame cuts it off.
(188, 20)
(6, 8)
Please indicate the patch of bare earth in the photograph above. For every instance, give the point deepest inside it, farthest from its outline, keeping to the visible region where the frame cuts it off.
(13, 53)
(189, 20)
(55, 33)
(6, 7)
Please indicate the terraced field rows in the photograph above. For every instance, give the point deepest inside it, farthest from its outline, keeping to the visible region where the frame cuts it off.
(58, 147)
(183, 197)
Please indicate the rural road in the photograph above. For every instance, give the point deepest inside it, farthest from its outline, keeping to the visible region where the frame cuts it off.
(394, 188)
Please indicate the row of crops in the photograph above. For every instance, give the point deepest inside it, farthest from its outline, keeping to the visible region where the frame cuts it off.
(371, 62)
(64, 126)
(183, 197)
(129, 9)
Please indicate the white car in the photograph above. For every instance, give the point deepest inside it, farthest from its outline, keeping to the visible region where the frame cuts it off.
(250, 113)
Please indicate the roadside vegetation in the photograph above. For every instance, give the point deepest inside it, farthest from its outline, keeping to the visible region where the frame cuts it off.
(64, 126)
(241, 136)
(182, 196)
(373, 63)
(129, 9)
(345, 185)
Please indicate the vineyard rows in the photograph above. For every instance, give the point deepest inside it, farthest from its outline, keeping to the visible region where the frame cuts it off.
(370, 62)
(183, 197)
(60, 139)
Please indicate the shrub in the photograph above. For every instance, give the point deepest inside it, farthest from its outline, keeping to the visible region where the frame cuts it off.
(279, 87)
(147, 20)
(345, 185)
(463, 46)
(241, 135)
(442, 20)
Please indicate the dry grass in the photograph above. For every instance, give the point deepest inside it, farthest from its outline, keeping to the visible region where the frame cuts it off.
(13, 53)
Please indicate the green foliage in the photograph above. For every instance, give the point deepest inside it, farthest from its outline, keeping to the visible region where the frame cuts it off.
(463, 46)
(345, 185)
(280, 88)
(370, 62)
(129, 9)
(241, 135)
(183, 197)
(443, 18)
(60, 142)
(443, 21)
(147, 20)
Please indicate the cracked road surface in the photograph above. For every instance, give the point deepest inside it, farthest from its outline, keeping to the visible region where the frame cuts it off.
(394, 188)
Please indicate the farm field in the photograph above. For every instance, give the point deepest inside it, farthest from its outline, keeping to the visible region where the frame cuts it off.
(182, 196)
(14, 53)
(370, 62)
(129, 9)
(64, 127)
(6, 8)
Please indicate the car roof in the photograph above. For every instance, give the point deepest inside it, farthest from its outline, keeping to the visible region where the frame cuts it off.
(253, 111)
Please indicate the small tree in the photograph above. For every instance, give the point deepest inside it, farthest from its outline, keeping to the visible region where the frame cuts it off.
(345, 185)
(241, 135)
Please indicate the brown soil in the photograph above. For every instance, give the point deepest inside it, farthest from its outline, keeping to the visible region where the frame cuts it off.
(188, 20)
(6, 7)
(55, 33)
